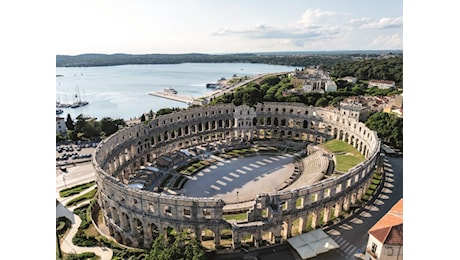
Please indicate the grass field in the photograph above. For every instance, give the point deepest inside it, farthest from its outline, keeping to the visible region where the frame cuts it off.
(345, 154)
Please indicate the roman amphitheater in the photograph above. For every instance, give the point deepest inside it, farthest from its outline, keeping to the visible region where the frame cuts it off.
(144, 193)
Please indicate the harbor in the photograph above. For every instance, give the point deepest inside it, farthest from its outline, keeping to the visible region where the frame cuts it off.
(128, 97)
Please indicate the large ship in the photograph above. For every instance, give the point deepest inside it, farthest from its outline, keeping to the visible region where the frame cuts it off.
(211, 85)
(170, 90)
(219, 84)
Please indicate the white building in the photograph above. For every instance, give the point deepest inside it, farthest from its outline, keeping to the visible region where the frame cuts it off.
(382, 84)
(331, 86)
(60, 126)
(350, 79)
(385, 240)
(314, 80)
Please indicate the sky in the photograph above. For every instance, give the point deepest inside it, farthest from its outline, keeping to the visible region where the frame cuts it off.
(209, 26)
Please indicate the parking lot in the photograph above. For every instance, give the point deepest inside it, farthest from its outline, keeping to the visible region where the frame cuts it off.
(74, 153)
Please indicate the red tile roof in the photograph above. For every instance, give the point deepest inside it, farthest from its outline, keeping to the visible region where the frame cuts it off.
(389, 229)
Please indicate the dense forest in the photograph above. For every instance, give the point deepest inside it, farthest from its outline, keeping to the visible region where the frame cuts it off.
(299, 59)
(383, 69)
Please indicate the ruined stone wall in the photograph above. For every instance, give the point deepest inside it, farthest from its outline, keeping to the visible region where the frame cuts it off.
(135, 217)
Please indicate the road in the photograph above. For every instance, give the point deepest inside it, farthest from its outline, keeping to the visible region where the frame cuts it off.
(352, 234)
(76, 174)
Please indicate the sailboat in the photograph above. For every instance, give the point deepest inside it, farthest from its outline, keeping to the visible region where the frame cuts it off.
(78, 102)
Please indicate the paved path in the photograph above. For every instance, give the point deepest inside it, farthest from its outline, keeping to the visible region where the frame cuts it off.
(66, 245)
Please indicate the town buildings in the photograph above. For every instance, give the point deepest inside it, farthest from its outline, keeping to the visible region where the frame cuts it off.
(313, 80)
(364, 106)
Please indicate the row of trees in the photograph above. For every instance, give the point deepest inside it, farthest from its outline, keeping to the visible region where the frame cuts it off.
(90, 128)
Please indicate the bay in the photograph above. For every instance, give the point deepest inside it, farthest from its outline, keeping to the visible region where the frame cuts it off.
(121, 92)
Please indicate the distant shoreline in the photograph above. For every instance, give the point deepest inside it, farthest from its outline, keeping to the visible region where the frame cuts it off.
(302, 59)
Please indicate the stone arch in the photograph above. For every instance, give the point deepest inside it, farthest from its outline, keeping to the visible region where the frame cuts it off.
(269, 121)
(297, 226)
(207, 238)
(155, 231)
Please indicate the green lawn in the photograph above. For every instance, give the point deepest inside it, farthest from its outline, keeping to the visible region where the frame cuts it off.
(346, 155)
(237, 217)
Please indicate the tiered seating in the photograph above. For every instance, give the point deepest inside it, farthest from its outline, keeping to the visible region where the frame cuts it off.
(314, 167)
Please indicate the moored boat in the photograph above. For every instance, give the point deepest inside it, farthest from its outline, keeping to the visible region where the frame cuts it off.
(170, 90)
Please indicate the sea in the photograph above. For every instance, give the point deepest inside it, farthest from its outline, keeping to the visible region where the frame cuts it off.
(122, 92)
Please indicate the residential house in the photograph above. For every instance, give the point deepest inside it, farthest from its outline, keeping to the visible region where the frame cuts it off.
(385, 240)
(60, 126)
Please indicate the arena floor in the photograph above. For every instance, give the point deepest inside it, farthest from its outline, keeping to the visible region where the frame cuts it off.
(240, 180)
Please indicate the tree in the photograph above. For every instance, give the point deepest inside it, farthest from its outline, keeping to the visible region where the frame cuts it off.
(179, 246)
(69, 123)
(87, 128)
(389, 128)
(322, 102)
(59, 137)
(109, 126)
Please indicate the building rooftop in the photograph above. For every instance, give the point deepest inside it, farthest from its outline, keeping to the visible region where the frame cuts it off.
(389, 229)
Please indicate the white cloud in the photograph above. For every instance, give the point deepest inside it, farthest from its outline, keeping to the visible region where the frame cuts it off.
(306, 28)
(313, 17)
(319, 29)
(388, 41)
(384, 23)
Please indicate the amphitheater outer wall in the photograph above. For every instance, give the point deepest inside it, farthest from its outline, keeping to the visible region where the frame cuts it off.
(135, 217)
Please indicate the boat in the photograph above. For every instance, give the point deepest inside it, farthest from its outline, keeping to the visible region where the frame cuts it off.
(59, 111)
(170, 90)
(211, 85)
(217, 85)
(78, 102)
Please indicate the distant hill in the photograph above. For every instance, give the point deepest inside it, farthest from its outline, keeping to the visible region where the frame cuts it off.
(301, 59)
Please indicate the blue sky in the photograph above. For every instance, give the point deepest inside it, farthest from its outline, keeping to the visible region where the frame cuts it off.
(206, 26)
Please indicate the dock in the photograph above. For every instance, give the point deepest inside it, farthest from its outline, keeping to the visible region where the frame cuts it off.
(183, 99)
